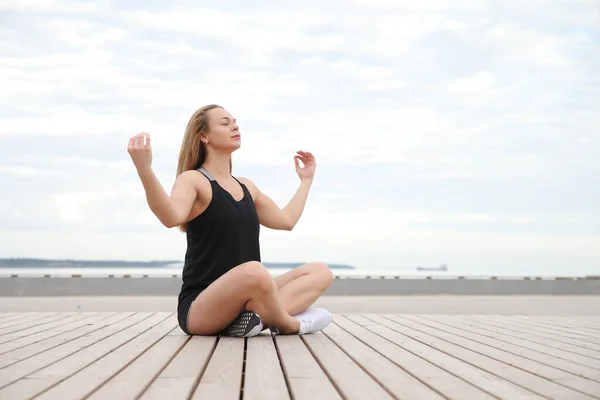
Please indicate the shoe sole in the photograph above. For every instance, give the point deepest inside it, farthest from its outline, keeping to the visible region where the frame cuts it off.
(247, 324)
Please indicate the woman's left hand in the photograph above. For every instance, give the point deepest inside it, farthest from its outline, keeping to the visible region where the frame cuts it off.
(308, 160)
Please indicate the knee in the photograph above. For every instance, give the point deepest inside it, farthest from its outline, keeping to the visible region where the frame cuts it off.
(324, 273)
(257, 277)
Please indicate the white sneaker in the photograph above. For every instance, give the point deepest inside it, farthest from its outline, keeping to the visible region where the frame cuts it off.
(313, 320)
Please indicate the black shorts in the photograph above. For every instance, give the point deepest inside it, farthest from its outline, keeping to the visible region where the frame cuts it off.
(183, 310)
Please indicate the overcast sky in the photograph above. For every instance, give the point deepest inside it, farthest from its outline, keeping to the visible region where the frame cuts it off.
(459, 132)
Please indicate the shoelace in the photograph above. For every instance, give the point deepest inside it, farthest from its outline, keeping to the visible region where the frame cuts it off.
(308, 324)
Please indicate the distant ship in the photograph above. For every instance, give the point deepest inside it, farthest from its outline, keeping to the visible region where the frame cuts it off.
(442, 267)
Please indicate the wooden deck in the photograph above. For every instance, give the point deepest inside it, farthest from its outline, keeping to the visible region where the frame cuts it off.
(144, 355)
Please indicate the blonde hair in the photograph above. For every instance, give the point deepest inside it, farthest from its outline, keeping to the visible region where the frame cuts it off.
(193, 150)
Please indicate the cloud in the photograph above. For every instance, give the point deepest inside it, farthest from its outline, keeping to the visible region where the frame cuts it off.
(441, 125)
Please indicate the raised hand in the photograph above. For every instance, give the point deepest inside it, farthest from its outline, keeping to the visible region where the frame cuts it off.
(308, 160)
(140, 151)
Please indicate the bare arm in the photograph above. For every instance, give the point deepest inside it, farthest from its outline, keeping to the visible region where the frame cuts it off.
(269, 213)
(170, 210)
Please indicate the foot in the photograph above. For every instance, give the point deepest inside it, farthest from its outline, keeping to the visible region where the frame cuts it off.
(313, 320)
(247, 324)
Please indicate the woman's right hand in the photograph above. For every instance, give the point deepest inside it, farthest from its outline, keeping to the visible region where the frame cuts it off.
(140, 152)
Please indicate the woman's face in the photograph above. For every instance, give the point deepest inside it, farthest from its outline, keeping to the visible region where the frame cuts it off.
(223, 131)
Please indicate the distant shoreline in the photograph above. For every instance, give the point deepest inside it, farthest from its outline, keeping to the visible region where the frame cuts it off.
(70, 263)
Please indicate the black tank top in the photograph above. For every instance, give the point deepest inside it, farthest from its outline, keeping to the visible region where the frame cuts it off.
(225, 235)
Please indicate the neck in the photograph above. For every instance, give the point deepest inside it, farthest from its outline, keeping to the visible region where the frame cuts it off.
(217, 164)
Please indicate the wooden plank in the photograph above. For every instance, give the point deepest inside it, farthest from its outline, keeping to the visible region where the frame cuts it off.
(26, 335)
(42, 379)
(351, 380)
(548, 367)
(223, 376)
(547, 346)
(546, 325)
(459, 361)
(507, 329)
(400, 383)
(92, 376)
(511, 381)
(27, 323)
(588, 323)
(541, 324)
(263, 377)
(74, 323)
(304, 375)
(17, 317)
(180, 377)
(7, 317)
(447, 382)
(500, 340)
(29, 365)
(45, 345)
(560, 336)
(137, 376)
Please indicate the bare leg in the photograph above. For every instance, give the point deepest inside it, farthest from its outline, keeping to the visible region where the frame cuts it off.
(299, 288)
(248, 286)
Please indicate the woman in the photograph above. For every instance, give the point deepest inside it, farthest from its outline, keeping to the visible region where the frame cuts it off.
(226, 290)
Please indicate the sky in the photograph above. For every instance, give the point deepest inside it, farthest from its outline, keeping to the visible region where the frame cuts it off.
(455, 132)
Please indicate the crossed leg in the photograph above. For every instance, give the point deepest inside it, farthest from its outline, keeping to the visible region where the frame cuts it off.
(299, 288)
(250, 286)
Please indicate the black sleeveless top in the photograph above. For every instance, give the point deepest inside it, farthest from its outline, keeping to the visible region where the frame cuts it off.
(225, 235)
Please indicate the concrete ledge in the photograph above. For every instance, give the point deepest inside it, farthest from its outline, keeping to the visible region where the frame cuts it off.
(350, 286)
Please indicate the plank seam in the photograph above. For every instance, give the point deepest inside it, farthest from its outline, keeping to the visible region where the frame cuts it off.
(244, 358)
(560, 330)
(70, 354)
(333, 382)
(389, 359)
(361, 366)
(48, 337)
(58, 382)
(160, 370)
(60, 344)
(132, 360)
(203, 369)
(38, 323)
(486, 356)
(425, 360)
(283, 371)
(511, 352)
(512, 332)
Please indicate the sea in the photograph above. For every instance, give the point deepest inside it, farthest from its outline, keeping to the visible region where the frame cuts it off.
(174, 270)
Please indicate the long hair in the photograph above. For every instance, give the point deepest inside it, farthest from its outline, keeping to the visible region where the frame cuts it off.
(193, 150)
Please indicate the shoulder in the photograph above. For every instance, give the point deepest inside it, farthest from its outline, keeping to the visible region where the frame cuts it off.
(252, 188)
(190, 176)
(193, 178)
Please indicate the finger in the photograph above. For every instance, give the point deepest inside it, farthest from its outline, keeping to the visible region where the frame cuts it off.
(308, 155)
(296, 162)
(148, 140)
(139, 140)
